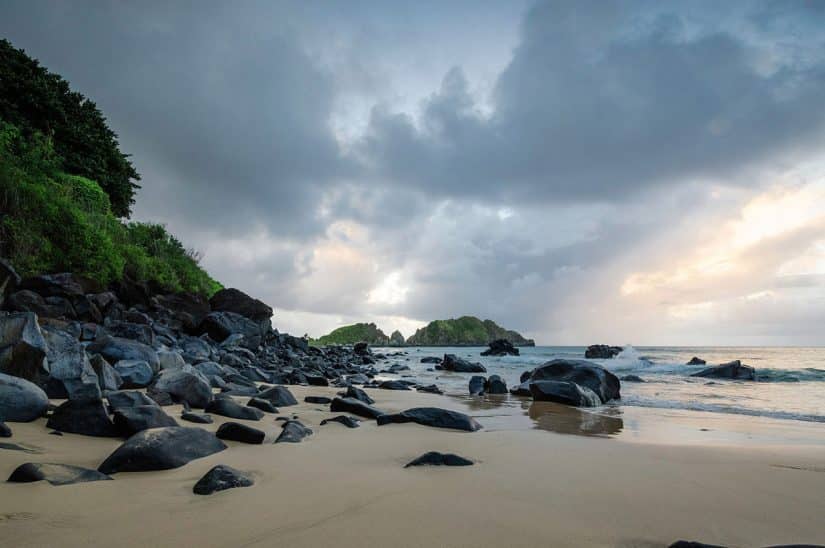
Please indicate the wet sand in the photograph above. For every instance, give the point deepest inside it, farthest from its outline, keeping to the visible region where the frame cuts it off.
(635, 478)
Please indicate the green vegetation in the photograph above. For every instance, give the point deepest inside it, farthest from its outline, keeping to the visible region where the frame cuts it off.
(351, 334)
(466, 330)
(64, 184)
(37, 101)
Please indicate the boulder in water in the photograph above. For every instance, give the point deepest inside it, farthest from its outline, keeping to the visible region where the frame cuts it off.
(587, 374)
(731, 370)
(632, 378)
(161, 449)
(496, 385)
(566, 392)
(501, 347)
(451, 362)
(602, 352)
(477, 384)
(220, 478)
(696, 361)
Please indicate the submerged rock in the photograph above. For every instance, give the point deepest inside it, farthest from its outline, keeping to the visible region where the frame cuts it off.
(731, 370)
(696, 361)
(349, 422)
(356, 407)
(451, 362)
(501, 347)
(477, 384)
(496, 385)
(55, 474)
(21, 400)
(566, 392)
(236, 431)
(220, 478)
(393, 385)
(632, 378)
(434, 458)
(293, 432)
(602, 352)
(161, 449)
(432, 416)
(430, 389)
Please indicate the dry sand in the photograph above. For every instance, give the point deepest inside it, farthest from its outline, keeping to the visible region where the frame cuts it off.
(348, 487)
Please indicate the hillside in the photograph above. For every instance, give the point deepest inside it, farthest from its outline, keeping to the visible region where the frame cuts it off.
(351, 334)
(466, 330)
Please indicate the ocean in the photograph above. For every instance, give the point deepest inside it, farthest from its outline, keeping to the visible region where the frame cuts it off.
(791, 380)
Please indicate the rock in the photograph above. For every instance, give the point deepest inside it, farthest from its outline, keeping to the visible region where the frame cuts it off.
(358, 394)
(322, 400)
(496, 385)
(396, 338)
(128, 398)
(434, 458)
(188, 309)
(131, 420)
(501, 347)
(430, 359)
(210, 369)
(220, 325)
(108, 378)
(195, 350)
(566, 392)
(263, 405)
(5, 431)
(393, 385)
(451, 362)
(70, 373)
(185, 384)
(169, 359)
(137, 332)
(86, 417)
(9, 280)
(134, 373)
(317, 380)
(632, 378)
(356, 407)
(227, 407)
(234, 300)
(361, 348)
(64, 284)
(198, 418)
(21, 400)
(587, 374)
(280, 396)
(696, 361)
(235, 431)
(601, 352)
(432, 416)
(293, 432)
(692, 544)
(55, 474)
(349, 422)
(115, 349)
(161, 449)
(731, 370)
(477, 383)
(430, 389)
(22, 347)
(221, 478)
(29, 301)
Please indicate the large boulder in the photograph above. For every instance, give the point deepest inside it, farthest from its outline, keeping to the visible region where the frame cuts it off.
(587, 374)
(188, 309)
(115, 349)
(221, 325)
(566, 392)
(477, 384)
(64, 284)
(501, 347)
(293, 432)
(601, 352)
(70, 373)
(280, 396)
(170, 359)
(55, 474)
(220, 478)
(195, 349)
(451, 362)
(29, 301)
(356, 407)
(132, 331)
(22, 347)
(731, 370)
(432, 416)
(235, 300)
(235, 431)
(84, 416)
(227, 407)
(134, 373)
(358, 394)
(107, 377)
(185, 384)
(161, 449)
(128, 398)
(21, 400)
(131, 420)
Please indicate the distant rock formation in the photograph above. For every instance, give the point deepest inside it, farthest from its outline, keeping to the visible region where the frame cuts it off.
(396, 339)
(501, 347)
(351, 334)
(601, 352)
(465, 331)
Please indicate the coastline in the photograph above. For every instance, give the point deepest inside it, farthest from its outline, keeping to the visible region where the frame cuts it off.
(529, 486)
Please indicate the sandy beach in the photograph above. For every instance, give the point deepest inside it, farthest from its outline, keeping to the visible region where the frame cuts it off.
(643, 486)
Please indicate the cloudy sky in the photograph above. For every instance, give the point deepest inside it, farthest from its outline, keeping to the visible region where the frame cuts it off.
(623, 172)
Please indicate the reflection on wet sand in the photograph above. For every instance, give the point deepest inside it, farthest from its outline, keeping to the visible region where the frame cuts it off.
(564, 419)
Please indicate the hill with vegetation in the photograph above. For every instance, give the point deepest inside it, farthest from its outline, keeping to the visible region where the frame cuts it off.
(351, 334)
(464, 331)
(66, 189)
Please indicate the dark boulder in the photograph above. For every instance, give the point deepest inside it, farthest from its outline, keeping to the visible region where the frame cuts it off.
(393, 385)
(128, 398)
(84, 416)
(221, 325)
(29, 301)
(132, 331)
(451, 362)
(280, 396)
(9, 280)
(108, 378)
(358, 394)
(566, 392)
(361, 348)
(322, 400)
(227, 407)
(731, 370)
(131, 420)
(64, 284)
(434, 458)
(221, 478)
(22, 347)
(21, 400)
(696, 361)
(293, 432)
(115, 349)
(632, 378)
(185, 384)
(356, 407)
(134, 373)
(501, 347)
(262, 404)
(693, 544)
(187, 309)
(432, 416)
(477, 384)
(496, 385)
(602, 352)
(70, 373)
(5, 431)
(587, 374)
(235, 431)
(430, 359)
(55, 474)
(234, 300)
(430, 389)
(346, 420)
(317, 380)
(198, 418)
(161, 449)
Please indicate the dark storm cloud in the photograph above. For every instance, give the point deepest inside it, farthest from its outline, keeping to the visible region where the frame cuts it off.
(602, 99)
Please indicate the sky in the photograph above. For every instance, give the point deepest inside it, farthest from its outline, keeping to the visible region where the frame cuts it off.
(638, 172)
